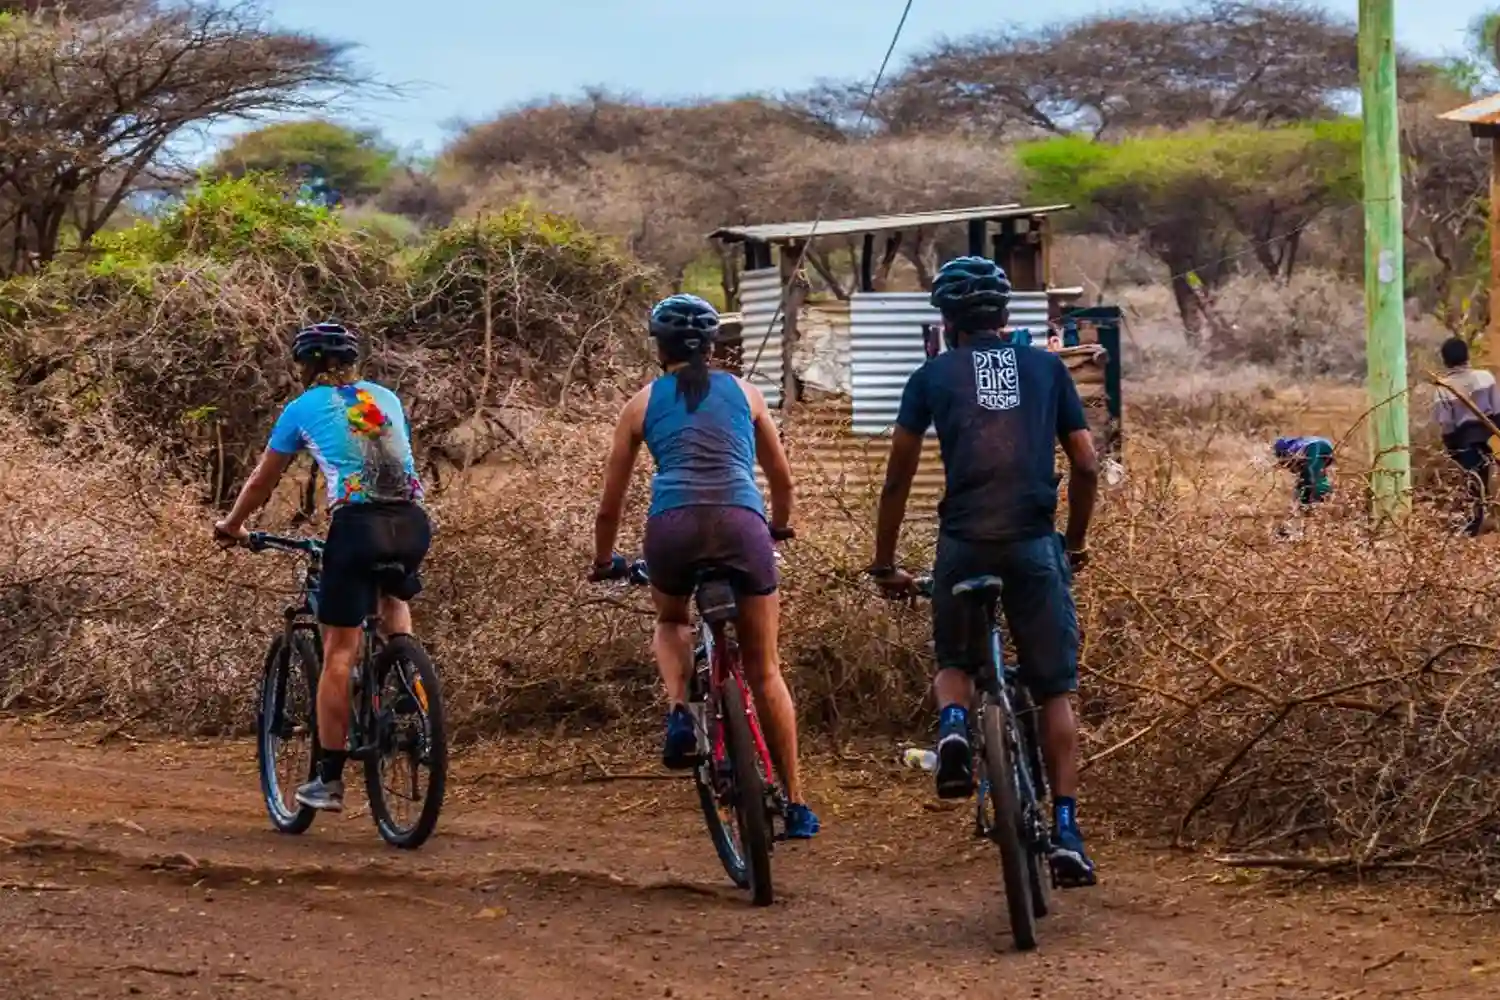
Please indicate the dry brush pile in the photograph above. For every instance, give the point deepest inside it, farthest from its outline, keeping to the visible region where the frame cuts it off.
(1321, 701)
(173, 338)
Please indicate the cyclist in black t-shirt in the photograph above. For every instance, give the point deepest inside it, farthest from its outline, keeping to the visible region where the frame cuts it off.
(999, 409)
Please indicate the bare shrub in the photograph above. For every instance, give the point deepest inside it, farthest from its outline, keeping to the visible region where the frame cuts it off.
(1321, 702)
(1316, 701)
(175, 341)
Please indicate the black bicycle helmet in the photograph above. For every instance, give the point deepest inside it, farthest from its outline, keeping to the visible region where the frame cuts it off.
(684, 318)
(325, 340)
(967, 286)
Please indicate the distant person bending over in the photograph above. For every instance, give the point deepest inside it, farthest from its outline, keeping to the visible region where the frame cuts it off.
(1000, 409)
(1308, 458)
(1465, 437)
(706, 429)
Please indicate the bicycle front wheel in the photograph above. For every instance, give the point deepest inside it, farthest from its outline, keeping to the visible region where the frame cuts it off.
(1005, 800)
(407, 774)
(285, 729)
(749, 794)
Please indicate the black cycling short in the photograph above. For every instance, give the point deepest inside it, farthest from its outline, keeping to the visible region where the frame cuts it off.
(362, 536)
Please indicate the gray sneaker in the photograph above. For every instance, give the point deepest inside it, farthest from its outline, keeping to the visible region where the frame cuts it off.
(327, 796)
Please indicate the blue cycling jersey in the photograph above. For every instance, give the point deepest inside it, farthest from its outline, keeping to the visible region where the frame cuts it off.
(357, 434)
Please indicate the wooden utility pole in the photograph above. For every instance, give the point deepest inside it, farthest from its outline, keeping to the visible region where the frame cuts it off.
(1385, 284)
(1494, 296)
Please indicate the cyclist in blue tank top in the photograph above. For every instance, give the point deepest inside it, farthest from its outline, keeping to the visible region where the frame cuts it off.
(705, 430)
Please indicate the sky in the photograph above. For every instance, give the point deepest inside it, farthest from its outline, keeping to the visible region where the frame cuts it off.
(469, 59)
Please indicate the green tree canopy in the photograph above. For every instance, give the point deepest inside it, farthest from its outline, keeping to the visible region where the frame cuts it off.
(1200, 197)
(354, 163)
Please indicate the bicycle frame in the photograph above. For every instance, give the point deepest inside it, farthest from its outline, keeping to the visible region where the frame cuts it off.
(724, 667)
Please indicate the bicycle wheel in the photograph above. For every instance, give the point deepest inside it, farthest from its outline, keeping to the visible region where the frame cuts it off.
(410, 737)
(1007, 829)
(718, 811)
(748, 794)
(1037, 867)
(286, 729)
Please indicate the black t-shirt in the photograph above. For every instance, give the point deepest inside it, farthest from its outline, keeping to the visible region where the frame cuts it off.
(999, 410)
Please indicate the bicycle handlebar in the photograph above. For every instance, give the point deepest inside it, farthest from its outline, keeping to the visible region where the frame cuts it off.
(259, 541)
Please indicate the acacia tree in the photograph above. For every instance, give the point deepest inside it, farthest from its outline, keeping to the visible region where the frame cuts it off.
(89, 102)
(354, 163)
(1219, 60)
(1201, 199)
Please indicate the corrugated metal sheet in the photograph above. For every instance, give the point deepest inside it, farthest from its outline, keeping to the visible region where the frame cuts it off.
(782, 231)
(886, 347)
(1485, 111)
(760, 304)
(831, 466)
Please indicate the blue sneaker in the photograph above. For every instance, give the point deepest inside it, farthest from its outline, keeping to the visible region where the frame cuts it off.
(680, 750)
(955, 768)
(801, 822)
(1071, 865)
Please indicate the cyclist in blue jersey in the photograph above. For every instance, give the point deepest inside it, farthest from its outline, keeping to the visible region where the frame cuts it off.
(1000, 408)
(356, 432)
(705, 430)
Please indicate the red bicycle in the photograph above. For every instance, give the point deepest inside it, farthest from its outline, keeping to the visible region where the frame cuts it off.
(740, 798)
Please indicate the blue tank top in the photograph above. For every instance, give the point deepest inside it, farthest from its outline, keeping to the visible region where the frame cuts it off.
(705, 458)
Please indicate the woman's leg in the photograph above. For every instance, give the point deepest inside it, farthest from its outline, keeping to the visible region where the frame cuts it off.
(759, 629)
(673, 645)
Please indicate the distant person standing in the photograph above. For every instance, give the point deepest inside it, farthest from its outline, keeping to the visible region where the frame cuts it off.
(1465, 436)
(1309, 458)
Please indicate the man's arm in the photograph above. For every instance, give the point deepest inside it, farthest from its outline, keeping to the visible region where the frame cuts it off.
(256, 491)
(617, 470)
(900, 470)
(772, 457)
(912, 421)
(1083, 463)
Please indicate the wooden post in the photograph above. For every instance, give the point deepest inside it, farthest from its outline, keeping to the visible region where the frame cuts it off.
(1494, 328)
(977, 229)
(867, 264)
(793, 291)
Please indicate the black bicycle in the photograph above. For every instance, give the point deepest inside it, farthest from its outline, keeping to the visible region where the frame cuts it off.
(737, 790)
(1010, 771)
(396, 726)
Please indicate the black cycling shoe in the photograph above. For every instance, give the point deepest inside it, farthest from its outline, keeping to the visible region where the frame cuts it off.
(955, 768)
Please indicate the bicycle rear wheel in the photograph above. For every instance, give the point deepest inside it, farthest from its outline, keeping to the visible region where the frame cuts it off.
(748, 793)
(1007, 829)
(410, 737)
(286, 729)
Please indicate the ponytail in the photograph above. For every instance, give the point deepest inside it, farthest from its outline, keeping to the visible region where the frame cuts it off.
(693, 377)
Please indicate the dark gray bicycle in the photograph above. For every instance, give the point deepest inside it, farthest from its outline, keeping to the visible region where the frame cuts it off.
(1010, 773)
(396, 726)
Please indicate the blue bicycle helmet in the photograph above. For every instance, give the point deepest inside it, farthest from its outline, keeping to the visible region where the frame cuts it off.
(325, 340)
(970, 285)
(684, 318)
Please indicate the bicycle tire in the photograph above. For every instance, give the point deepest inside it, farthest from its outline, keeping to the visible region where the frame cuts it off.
(720, 832)
(1037, 867)
(276, 676)
(398, 650)
(1014, 867)
(749, 794)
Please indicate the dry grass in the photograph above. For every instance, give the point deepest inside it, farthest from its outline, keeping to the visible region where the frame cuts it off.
(1323, 698)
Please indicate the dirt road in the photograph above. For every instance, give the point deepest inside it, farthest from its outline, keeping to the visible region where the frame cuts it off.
(148, 870)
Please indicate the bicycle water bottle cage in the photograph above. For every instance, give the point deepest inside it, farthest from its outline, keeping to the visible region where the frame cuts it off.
(715, 601)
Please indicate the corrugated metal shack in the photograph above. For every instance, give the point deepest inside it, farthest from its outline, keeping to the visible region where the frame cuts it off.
(828, 320)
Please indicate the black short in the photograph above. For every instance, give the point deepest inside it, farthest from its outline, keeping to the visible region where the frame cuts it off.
(683, 540)
(362, 536)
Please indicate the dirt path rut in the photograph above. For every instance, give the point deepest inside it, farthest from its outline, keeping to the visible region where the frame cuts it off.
(148, 870)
